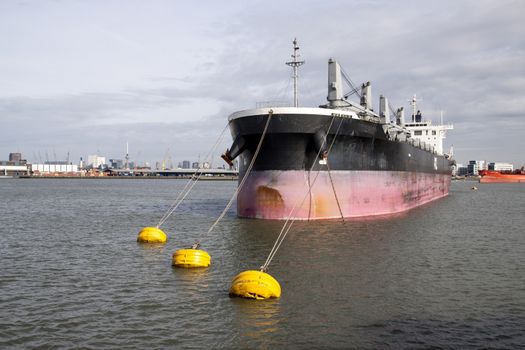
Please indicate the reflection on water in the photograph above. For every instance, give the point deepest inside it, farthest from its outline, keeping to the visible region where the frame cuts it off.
(449, 274)
(256, 321)
(149, 257)
(199, 276)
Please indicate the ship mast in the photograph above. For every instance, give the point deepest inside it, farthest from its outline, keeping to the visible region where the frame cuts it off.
(295, 64)
(413, 103)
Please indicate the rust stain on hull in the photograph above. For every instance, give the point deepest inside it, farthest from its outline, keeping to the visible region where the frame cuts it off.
(269, 200)
(323, 206)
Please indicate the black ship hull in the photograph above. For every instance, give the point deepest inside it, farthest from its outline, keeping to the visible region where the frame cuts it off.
(366, 172)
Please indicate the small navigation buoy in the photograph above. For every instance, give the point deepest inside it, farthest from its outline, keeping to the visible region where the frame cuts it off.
(254, 284)
(152, 235)
(474, 188)
(190, 258)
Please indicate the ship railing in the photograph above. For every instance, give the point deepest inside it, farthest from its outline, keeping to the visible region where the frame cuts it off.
(415, 142)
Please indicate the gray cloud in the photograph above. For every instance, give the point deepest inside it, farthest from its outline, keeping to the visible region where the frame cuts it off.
(170, 78)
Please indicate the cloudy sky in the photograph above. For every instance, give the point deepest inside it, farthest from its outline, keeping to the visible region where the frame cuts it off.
(85, 77)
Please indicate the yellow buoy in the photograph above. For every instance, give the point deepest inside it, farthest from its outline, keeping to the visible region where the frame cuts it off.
(191, 258)
(151, 235)
(254, 284)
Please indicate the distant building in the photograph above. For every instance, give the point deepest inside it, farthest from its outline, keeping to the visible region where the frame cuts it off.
(474, 166)
(455, 168)
(462, 171)
(95, 161)
(459, 170)
(116, 163)
(59, 167)
(15, 157)
(15, 167)
(57, 162)
(185, 164)
(499, 166)
(195, 165)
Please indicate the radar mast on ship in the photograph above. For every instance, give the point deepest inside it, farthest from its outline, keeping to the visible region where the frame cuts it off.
(295, 63)
(416, 114)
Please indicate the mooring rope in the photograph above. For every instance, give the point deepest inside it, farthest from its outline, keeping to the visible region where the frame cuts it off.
(290, 220)
(335, 193)
(175, 204)
(193, 181)
(245, 177)
(331, 180)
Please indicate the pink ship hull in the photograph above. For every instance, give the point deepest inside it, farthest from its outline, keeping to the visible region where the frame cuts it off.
(275, 194)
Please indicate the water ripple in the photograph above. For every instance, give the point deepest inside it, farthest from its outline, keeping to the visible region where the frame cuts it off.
(447, 275)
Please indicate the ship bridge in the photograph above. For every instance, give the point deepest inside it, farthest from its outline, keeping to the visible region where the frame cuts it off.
(424, 131)
(429, 134)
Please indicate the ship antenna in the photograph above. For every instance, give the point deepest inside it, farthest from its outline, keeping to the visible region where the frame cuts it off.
(413, 103)
(295, 64)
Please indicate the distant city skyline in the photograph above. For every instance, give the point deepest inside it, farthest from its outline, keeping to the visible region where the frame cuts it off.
(83, 78)
(107, 160)
(97, 160)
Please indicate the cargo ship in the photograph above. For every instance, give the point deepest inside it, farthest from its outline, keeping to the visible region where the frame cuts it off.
(494, 176)
(337, 160)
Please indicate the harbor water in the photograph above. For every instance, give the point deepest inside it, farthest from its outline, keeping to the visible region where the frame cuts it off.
(449, 275)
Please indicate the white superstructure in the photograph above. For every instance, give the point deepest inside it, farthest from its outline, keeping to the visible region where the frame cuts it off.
(425, 131)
